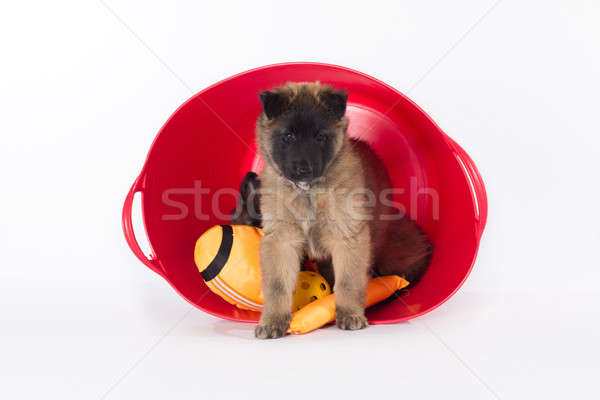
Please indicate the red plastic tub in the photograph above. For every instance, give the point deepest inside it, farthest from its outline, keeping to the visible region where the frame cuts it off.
(208, 145)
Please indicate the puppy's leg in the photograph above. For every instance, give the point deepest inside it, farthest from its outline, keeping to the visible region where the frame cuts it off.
(351, 263)
(280, 256)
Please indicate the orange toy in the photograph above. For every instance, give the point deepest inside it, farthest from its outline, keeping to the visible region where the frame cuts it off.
(322, 311)
(227, 256)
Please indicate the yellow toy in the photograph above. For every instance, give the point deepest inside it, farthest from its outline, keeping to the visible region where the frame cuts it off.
(311, 286)
(227, 256)
(228, 259)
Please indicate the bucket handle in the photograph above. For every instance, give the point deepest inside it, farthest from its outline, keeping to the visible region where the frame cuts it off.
(151, 262)
(478, 192)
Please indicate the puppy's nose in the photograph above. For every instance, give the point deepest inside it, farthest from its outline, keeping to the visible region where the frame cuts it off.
(303, 168)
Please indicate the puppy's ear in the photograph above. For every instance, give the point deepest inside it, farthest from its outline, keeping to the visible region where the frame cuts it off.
(273, 103)
(335, 101)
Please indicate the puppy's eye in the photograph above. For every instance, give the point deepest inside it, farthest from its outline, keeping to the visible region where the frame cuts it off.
(289, 137)
(320, 137)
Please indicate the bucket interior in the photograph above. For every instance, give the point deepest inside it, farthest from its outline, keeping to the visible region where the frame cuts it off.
(203, 151)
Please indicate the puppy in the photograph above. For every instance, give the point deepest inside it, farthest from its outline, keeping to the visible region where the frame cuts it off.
(321, 197)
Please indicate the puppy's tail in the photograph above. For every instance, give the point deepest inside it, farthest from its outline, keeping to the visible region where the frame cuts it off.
(407, 252)
(247, 211)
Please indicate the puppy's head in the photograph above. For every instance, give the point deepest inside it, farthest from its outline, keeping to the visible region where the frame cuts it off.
(301, 130)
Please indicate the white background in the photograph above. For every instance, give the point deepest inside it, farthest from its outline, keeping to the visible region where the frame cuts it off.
(85, 86)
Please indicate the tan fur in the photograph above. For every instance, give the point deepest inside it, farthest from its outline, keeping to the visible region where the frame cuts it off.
(333, 220)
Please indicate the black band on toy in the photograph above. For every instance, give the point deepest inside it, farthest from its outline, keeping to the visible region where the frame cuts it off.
(222, 256)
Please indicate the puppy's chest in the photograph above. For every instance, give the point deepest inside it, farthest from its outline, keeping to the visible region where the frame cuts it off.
(314, 232)
(314, 214)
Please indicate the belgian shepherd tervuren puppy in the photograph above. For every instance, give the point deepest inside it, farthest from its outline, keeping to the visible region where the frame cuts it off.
(323, 196)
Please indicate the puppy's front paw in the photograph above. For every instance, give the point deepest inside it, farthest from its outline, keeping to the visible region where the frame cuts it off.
(350, 321)
(272, 327)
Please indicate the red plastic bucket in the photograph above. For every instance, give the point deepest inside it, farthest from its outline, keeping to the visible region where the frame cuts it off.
(208, 145)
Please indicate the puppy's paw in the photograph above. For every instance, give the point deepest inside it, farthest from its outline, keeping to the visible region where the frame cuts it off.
(272, 327)
(350, 321)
